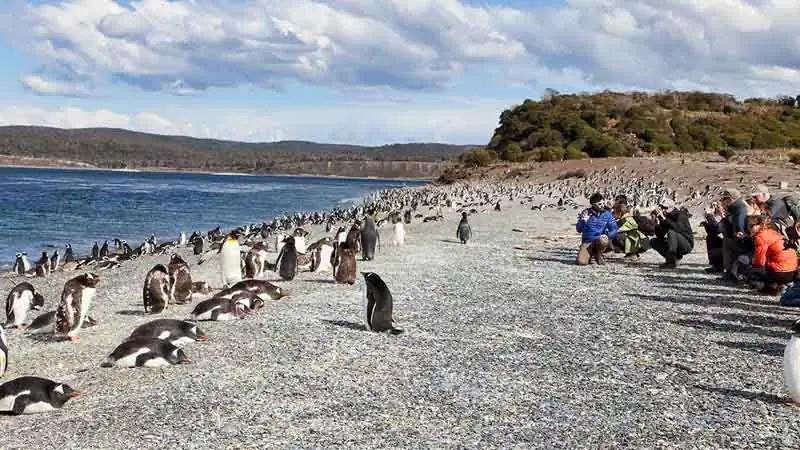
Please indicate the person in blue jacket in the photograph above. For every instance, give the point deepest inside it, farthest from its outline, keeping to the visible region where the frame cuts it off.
(598, 228)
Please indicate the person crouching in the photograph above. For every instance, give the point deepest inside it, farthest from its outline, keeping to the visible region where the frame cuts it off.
(597, 227)
(674, 238)
(774, 263)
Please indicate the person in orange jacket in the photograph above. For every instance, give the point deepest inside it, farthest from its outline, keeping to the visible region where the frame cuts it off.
(774, 263)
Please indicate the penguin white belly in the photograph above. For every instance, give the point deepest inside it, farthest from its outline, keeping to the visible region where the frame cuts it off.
(300, 244)
(181, 341)
(130, 360)
(791, 368)
(164, 335)
(38, 407)
(226, 316)
(231, 264)
(399, 238)
(156, 362)
(7, 402)
(86, 302)
(325, 259)
(21, 306)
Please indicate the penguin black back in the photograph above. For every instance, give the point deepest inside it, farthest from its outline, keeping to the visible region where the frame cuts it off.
(287, 259)
(155, 292)
(379, 305)
(28, 395)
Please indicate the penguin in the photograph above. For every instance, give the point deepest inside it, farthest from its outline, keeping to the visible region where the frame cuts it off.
(31, 395)
(286, 264)
(21, 264)
(378, 305)
(95, 250)
(3, 352)
(497, 206)
(300, 240)
(344, 269)
(231, 263)
(156, 290)
(200, 289)
(55, 261)
(76, 300)
(104, 250)
(176, 331)
(369, 237)
(407, 217)
(399, 237)
(262, 288)
(43, 265)
(464, 232)
(146, 352)
(218, 309)
(197, 245)
(321, 259)
(255, 262)
(180, 280)
(248, 300)
(341, 235)
(41, 321)
(354, 237)
(21, 300)
(791, 363)
(69, 255)
(182, 239)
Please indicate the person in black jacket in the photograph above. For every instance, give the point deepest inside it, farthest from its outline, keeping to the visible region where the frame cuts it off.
(736, 236)
(674, 237)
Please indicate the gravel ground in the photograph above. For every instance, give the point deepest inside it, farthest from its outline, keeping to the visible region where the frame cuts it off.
(503, 348)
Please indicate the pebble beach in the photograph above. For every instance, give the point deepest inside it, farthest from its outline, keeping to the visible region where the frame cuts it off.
(507, 344)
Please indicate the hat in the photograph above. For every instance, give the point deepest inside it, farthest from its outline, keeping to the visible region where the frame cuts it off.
(760, 189)
(666, 203)
(596, 198)
(731, 193)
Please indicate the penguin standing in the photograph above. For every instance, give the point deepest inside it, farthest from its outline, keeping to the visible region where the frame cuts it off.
(791, 363)
(464, 232)
(76, 300)
(344, 268)
(55, 261)
(43, 265)
(369, 238)
(407, 217)
(231, 263)
(286, 264)
(399, 236)
(69, 255)
(378, 305)
(95, 250)
(182, 239)
(197, 245)
(156, 290)
(31, 395)
(146, 352)
(21, 264)
(21, 300)
(104, 250)
(255, 262)
(354, 237)
(3, 352)
(180, 279)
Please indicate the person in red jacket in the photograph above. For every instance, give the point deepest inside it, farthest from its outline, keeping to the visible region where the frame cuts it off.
(773, 263)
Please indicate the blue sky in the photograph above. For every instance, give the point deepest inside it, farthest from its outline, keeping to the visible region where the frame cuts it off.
(364, 71)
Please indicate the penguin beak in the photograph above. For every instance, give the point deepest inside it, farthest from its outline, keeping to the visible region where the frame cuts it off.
(186, 360)
(202, 338)
(75, 394)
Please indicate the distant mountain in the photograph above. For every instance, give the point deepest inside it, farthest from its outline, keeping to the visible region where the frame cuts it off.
(125, 149)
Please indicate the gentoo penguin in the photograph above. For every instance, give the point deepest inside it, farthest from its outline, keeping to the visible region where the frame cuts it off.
(104, 250)
(378, 305)
(180, 279)
(69, 255)
(300, 240)
(55, 261)
(146, 352)
(407, 217)
(182, 239)
(344, 268)
(255, 262)
(354, 237)
(76, 300)
(369, 238)
(41, 321)
(248, 300)
(286, 264)
(95, 250)
(200, 290)
(463, 232)
(321, 258)
(43, 265)
(399, 236)
(178, 332)
(262, 288)
(341, 235)
(21, 300)
(31, 395)
(21, 264)
(791, 363)
(3, 352)
(218, 308)
(231, 262)
(197, 245)
(155, 293)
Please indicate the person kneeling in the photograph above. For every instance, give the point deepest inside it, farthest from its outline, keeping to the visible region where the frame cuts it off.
(597, 227)
(774, 264)
(674, 237)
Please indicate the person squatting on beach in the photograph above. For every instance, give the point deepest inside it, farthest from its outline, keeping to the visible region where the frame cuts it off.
(773, 263)
(714, 216)
(630, 240)
(674, 238)
(597, 227)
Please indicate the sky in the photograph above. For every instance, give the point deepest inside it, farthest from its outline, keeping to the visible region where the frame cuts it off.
(370, 72)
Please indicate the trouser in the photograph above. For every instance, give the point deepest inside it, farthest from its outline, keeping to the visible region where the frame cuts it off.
(594, 248)
(770, 277)
(672, 246)
(730, 250)
(714, 251)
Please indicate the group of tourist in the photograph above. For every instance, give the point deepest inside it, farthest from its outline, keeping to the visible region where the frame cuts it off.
(751, 239)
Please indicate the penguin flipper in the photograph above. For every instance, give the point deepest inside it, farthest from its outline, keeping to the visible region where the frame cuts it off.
(143, 358)
(20, 403)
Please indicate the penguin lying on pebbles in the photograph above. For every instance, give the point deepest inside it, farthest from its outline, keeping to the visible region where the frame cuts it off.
(378, 305)
(42, 320)
(31, 395)
(176, 331)
(262, 288)
(146, 352)
(248, 299)
(20, 301)
(219, 309)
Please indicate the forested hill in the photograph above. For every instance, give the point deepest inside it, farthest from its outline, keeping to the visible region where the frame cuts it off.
(123, 149)
(604, 124)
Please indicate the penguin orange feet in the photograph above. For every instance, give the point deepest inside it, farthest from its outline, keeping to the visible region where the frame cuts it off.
(74, 338)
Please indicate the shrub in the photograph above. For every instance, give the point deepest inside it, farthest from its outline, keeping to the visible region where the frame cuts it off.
(573, 153)
(478, 157)
(794, 158)
(727, 153)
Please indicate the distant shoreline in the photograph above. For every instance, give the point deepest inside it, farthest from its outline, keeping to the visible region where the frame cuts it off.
(196, 171)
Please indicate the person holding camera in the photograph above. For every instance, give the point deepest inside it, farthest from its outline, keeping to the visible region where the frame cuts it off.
(714, 215)
(674, 237)
(597, 227)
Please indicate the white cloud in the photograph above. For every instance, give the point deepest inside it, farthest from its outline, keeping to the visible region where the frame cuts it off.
(461, 121)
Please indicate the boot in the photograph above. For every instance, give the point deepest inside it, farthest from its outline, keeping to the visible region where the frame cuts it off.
(599, 257)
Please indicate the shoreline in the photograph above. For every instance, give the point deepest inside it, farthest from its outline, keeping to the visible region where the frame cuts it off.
(205, 172)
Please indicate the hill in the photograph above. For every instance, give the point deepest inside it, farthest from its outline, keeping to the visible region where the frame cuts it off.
(574, 126)
(124, 149)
